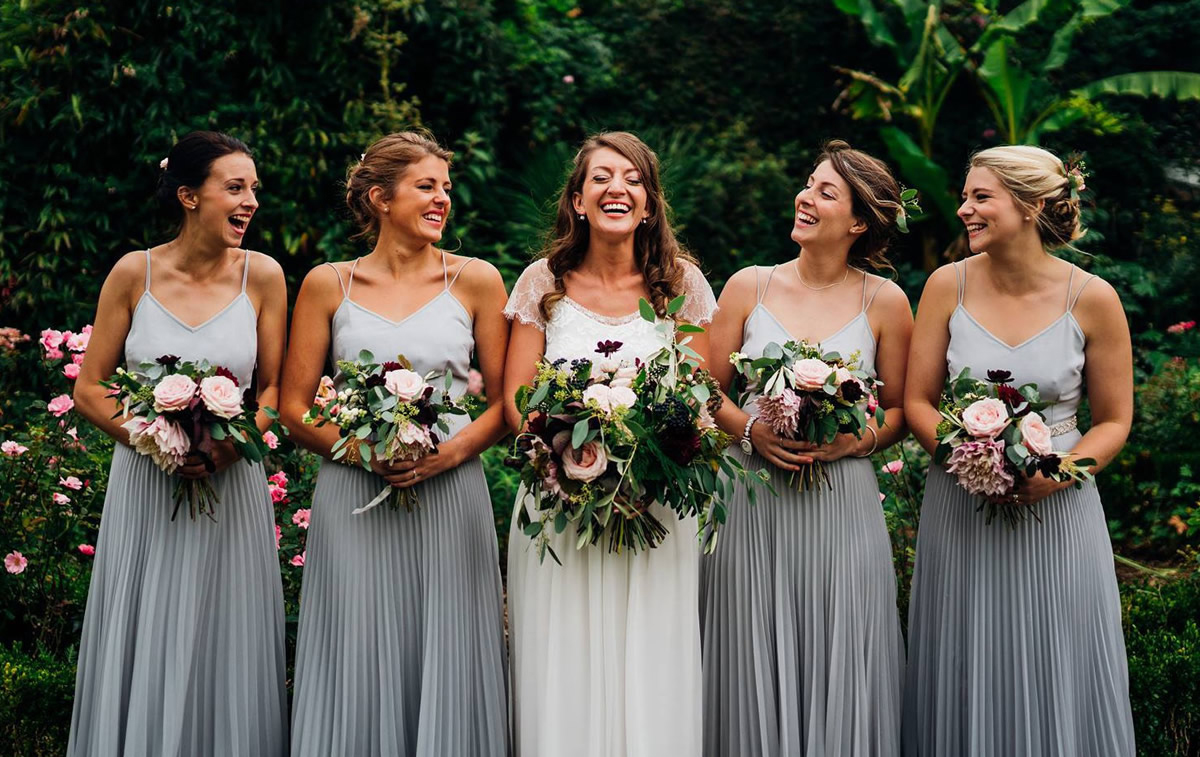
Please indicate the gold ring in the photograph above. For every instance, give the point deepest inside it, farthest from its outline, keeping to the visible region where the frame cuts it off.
(416, 475)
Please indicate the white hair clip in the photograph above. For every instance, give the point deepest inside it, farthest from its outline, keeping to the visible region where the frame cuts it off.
(362, 157)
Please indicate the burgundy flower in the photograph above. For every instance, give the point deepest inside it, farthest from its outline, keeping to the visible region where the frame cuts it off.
(682, 449)
(223, 371)
(1048, 464)
(168, 360)
(374, 380)
(852, 391)
(391, 365)
(1009, 396)
(999, 377)
(607, 347)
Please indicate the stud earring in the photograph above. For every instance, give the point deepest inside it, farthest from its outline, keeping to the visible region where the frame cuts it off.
(1026, 218)
(644, 220)
(582, 217)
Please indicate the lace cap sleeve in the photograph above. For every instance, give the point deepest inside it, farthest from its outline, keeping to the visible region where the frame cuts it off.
(524, 304)
(700, 304)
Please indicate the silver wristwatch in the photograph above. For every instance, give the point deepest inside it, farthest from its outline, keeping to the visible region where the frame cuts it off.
(747, 445)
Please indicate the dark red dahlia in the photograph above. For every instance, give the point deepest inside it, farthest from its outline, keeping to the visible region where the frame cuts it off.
(391, 365)
(223, 371)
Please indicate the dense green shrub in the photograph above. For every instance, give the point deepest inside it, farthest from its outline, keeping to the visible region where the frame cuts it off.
(36, 694)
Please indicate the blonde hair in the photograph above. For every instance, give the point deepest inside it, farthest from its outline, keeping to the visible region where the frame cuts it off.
(1032, 175)
(382, 165)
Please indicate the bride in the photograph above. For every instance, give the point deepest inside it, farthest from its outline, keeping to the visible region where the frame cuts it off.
(605, 647)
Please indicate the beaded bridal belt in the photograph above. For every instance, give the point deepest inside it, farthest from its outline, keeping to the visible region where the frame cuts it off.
(1058, 429)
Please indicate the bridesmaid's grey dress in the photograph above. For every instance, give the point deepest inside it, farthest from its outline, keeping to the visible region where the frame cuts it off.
(802, 647)
(1015, 644)
(182, 650)
(401, 641)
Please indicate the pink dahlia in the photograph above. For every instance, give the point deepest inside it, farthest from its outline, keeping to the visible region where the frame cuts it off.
(979, 466)
(781, 412)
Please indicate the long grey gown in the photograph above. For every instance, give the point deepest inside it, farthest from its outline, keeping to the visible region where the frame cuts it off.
(1015, 643)
(182, 652)
(401, 641)
(802, 647)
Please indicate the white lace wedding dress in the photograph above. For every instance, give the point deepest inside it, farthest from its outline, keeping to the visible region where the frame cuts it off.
(605, 647)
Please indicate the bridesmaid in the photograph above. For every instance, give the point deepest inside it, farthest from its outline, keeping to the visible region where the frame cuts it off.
(182, 650)
(606, 647)
(401, 640)
(1015, 642)
(802, 647)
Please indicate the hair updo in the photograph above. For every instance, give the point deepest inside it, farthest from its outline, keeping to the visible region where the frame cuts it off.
(188, 164)
(875, 200)
(382, 165)
(1031, 174)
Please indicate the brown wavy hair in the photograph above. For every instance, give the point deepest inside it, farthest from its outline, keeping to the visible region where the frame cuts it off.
(656, 251)
(382, 165)
(875, 198)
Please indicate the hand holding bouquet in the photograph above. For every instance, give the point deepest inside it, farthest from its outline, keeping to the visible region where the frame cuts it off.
(991, 434)
(807, 395)
(606, 438)
(386, 410)
(176, 409)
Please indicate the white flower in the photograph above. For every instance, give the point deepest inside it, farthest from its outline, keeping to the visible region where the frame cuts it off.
(621, 398)
(736, 357)
(163, 164)
(598, 393)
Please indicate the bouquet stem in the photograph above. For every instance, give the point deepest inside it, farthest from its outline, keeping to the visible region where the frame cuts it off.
(200, 496)
(810, 476)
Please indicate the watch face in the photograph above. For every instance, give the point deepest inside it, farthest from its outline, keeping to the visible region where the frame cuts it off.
(747, 447)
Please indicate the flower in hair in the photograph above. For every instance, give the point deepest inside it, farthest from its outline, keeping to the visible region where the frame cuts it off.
(163, 164)
(908, 206)
(1077, 174)
(362, 157)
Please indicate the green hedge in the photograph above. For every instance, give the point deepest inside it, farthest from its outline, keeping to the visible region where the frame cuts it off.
(36, 691)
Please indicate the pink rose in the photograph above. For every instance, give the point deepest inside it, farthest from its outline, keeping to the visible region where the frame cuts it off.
(301, 516)
(174, 392)
(598, 393)
(298, 560)
(279, 479)
(71, 371)
(1177, 328)
(12, 449)
(405, 384)
(54, 354)
(985, 418)
(78, 342)
(87, 550)
(278, 493)
(893, 467)
(1036, 434)
(278, 535)
(71, 482)
(810, 373)
(77, 358)
(51, 340)
(550, 481)
(585, 464)
(326, 392)
(872, 403)
(221, 396)
(60, 405)
(474, 382)
(164, 441)
(271, 440)
(15, 562)
(61, 499)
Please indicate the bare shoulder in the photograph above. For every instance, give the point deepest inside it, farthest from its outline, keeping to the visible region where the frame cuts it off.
(475, 275)
(886, 295)
(325, 280)
(1099, 304)
(264, 270)
(741, 283)
(128, 274)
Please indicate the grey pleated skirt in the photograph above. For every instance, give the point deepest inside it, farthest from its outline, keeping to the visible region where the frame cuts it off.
(182, 652)
(803, 653)
(401, 640)
(1015, 644)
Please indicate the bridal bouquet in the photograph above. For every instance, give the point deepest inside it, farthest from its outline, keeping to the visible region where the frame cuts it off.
(991, 433)
(387, 410)
(605, 438)
(804, 394)
(177, 408)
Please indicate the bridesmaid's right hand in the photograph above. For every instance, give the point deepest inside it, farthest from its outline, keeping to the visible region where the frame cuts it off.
(388, 473)
(780, 452)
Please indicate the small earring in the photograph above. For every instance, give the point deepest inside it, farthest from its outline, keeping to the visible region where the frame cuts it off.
(1026, 218)
(193, 207)
(644, 220)
(582, 217)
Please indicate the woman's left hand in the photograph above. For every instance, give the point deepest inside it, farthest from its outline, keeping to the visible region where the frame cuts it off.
(426, 467)
(1030, 491)
(223, 455)
(843, 445)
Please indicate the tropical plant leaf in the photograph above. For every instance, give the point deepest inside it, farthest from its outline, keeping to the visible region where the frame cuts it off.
(1180, 85)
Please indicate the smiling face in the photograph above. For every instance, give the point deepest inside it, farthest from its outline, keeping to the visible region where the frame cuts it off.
(612, 196)
(224, 204)
(989, 211)
(420, 201)
(825, 210)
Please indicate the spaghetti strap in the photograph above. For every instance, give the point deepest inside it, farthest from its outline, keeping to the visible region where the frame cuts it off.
(873, 294)
(245, 271)
(342, 284)
(960, 277)
(147, 271)
(445, 279)
(457, 273)
(865, 304)
(1075, 299)
(350, 283)
(762, 294)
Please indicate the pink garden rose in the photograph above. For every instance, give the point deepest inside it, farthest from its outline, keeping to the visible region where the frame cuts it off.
(61, 499)
(77, 358)
(810, 373)
(174, 392)
(585, 464)
(405, 384)
(301, 517)
(1036, 434)
(71, 482)
(87, 550)
(71, 371)
(78, 342)
(1182, 326)
(271, 440)
(326, 392)
(279, 479)
(15, 562)
(164, 441)
(985, 418)
(979, 466)
(893, 467)
(278, 535)
(298, 560)
(60, 405)
(474, 382)
(221, 396)
(51, 340)
(12, 449)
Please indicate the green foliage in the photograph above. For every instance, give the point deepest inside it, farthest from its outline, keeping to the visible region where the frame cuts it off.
(36, 694)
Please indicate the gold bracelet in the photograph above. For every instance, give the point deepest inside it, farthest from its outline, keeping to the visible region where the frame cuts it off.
(874, 442)
(352, 456)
